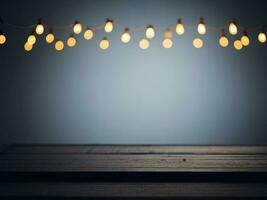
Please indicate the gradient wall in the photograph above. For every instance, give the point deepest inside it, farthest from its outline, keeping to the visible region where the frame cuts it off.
(127, 95)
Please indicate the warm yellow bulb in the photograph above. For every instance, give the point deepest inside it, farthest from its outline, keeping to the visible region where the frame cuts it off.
(167, 43)
(245, 40)
(28, 47)
(179, 29)
(201, 28)
(31, 39)
(262, 37)
(126, 37)
(150, 32)
(71, 42)
(59, 46)
(144, 44)
(104, 44)
(108, 26)
(2, 39)
(238, 45)
(223, 41)
(39, 29)
(233, 30)
(198, 43)
(77, 28)
(88, 34)
(50, 38)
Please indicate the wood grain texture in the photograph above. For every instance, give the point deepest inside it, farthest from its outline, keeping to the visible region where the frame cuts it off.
(133, 158)
(137, 190)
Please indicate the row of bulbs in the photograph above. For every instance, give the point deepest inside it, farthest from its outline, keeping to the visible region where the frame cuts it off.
(144, 43)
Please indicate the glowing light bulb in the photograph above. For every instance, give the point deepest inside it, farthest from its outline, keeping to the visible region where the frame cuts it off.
(126, 36)
(31, 39)
(198, 43)
(167, 43)
(223, 41)
(245, 40)
(39, 29)
(2, 39)
(238, 45)
(77, 28)
(168, 33)
(179, 28)
(59, 45)
(233, 30)
(71, 42)
(88, 34)
(150, 32)
(262, 37)
(28, 47)
(108, 26)
(144, 43)
(104, 44)
(201, 27)
(50, 38)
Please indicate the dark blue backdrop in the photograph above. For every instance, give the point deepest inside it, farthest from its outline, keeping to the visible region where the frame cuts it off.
(128, 95)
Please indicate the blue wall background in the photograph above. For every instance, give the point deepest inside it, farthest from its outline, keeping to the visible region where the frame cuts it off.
(128, 95)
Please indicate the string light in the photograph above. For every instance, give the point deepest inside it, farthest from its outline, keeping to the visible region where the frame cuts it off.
(88, 34)
(77, 28)
(238, 45)
(167, 42)
(126, 36)
(28, 47)
(198, 43)
(144, 44)
(150, 32)
(180, 27)
(39, 28)
(245, 39)
(233, 30)
(201, 27)
(104, 44)
(31, 39)
(59, 45)
(223, 41)
(2, 38)
(50, 38)
(108, 26)
(71, 42)
(262, 37)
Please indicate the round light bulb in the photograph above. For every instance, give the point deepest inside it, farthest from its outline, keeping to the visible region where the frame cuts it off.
(88, 34)
(238, 45)
(223, 41)
(167, 43)
(71, 42)
(262, 37)
(59, 45)
(126, 37)
(31, 39)
(39, 29)
(179, 29)
(50, 38)
(28, 47)
(150, 32)
(144, 44)
(108, 26)
(2, 39)
(233, 30)
(245, 40)
(104, 44)
(201, 28)
(77, 28)
(198, 43)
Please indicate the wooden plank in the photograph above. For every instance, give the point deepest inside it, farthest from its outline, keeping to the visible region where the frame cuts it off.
(137, 149)
(129, 163)
(137, 190)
